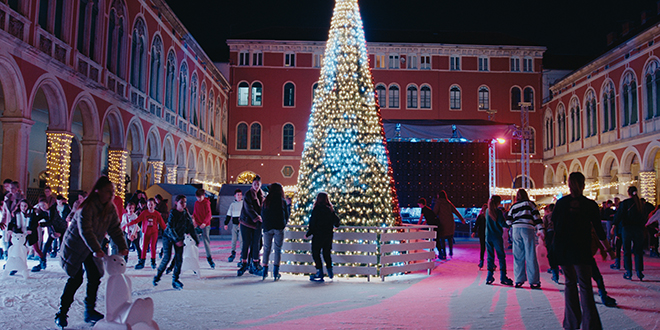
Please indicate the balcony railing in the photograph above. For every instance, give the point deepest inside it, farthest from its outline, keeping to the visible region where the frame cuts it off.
(13, 22)
(53, 46)
(115, 84)
(155, 108)
(170, 117)
(138, 98)
(88, 68)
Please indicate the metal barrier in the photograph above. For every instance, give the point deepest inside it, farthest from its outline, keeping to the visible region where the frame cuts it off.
(364, 251)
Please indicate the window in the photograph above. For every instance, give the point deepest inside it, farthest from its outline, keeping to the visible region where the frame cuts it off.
(515, 98)
(156, 74)
(425, 97)
(394, 61)
(243, 93)
(210, 119)
(528, 65)
(138, 55)
(380, 61)
(16, 5)
(412, 61)
(425, 62)
(454, 98)
(183, 87)
(394, 97)
(629, 99)
(241, 136)
(455, 63)
(484, 98)
(515, 64)
(382, 96)
(549, 133)
(287, 137)
(411, 97)
(528, 97)
(243, 58)
(88, 18)
(51, 16)
(255, 136)
(317, 60)
(609, 108)
(592, 114)
(115, 40)
(257, 58)
(193, 100)
(169, 81)
(575, 120)
(483, 63)
(289, 59)
(289, 95)
(202, 108)
(256, 94)
(652, 89)
(561, 126)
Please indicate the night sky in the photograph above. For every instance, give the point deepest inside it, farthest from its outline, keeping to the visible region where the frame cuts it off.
(566, 27)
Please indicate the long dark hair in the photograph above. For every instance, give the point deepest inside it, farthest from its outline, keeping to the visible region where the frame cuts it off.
(93, 196)
(322, 199)
(275, 194)
(483, 209)
(521, 195)
(632, 192)
(17, 207)
(493, 203)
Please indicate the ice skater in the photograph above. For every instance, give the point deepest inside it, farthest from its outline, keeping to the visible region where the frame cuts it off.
(275, 215)
(202, 221)
(427, 217)
(479, 230)
(525, 222)
(321, 224)
(234, 216)
(495, 225)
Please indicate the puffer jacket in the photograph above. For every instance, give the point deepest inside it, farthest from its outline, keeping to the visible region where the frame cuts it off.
(88, 228)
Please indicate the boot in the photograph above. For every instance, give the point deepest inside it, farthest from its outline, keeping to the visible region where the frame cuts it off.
(616, 264)
(264, 273)
(60, 318)
(640, 275)
(318, 277)
(176, 284)
(232, 256)
(504, 279)
(157, 278)
(43, 262)
(36, 268)
(555, 275)
(254, 268)
(481, 263)
(211, 263)
(331, 274)
(140, 264)
(153, 263)
(490, 278)
(605, 299)
(276, 273)
(91, 315)
(627, 275)
(244, 267)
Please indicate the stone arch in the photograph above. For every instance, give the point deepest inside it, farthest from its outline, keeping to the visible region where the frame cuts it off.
(517, 182)
(610, 161)
(648, 162)
(591, 168)
(223, 171)
(116, 125)
(627, 159)
(181, 154)
(168, 150)
(549, 177)
(92, 129)
(136, 132)
(192, 164)
(153, 148)
(209, 169)
(56, 100)
(576, 166)
(561, 174)
(12, 83)
(201, 164)
(135, 144)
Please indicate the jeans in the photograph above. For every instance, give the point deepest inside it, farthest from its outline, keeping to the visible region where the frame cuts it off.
(525, 265)
(74, 282)
(204, 237)
(273, 236)
(325, 244)
(251, 242)
(236, 236)
(496, 246)
(632, 244)
(580, 310)
(52, 244)
(168, 244)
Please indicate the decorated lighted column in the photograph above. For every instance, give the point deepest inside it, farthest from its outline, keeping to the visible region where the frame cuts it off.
(647, 186)
(15, 147)
(170, 173)
(58, 162)
(117, 171)
(157, 170)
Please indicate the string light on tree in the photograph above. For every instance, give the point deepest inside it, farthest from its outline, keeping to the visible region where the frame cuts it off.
(344, 152)
(117, 171)
(58, 162)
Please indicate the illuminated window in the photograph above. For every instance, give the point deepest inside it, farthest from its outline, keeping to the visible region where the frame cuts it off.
(289, 94)
(317, 60)
(484, 98)
(243, 93)
(290, 59)
(256, 94)
(380, 61)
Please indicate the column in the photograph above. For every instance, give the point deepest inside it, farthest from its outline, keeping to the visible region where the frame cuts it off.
(647, 186)
(58, 162)
(157, 166)
(91, 163)
(604, 181)
(170, 173)
(137, 172)
(182, 175)
(16, 144)
(117, 171)
(623, 179)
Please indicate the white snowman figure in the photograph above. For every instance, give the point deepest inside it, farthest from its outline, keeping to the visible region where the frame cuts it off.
(190, 256)
(121, 312)
(17, 256)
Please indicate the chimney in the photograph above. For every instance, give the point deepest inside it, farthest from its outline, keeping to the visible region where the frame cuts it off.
(610, 38)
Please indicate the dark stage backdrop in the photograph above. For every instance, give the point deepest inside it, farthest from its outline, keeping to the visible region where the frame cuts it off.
(421, 169)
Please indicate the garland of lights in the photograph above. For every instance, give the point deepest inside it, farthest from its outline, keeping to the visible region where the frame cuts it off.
(246, 177)
(344, 152)
(58, 162)
(117, 171)
(158, 169)
(560, 189)
(171, 174)
(647, 186)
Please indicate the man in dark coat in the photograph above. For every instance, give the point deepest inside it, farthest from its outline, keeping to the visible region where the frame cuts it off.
(251, 228)
(573, 217)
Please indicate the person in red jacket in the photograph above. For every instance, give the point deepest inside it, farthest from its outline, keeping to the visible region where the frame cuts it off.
(151, 220)
(202, 220)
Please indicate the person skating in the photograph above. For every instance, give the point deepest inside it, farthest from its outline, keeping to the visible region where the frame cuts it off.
(81, 250)
(251, 228)
(275, 215)
(524, 219)
(630, 218)
(151, 221)
(179, 223)
(427, 217)
(549, 236)
(38, 219)
(234, 216)
(202, 221)
(131, 232)
(573, 218)
(321, 227)
(479, 230)
(445, 211)
(495, 225)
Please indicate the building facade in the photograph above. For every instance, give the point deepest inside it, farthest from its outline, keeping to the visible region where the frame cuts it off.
(111, 87)
(604, 121)
(273, 84)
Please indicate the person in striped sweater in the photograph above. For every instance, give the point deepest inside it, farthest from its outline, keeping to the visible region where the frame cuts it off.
(525, 220)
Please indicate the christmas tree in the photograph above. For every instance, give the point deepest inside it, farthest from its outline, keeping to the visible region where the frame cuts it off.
(344, 153)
